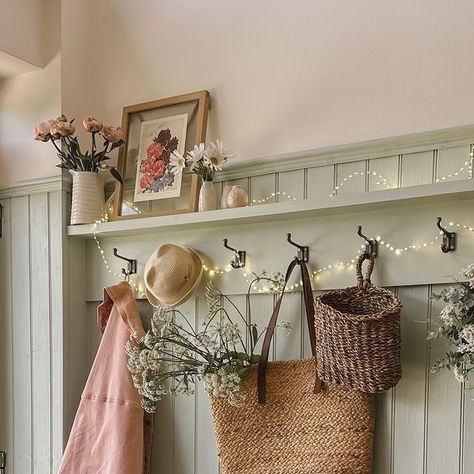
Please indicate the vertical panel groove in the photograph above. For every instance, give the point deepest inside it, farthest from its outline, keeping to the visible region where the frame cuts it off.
(393, 400)
(31, 339)
(392, 430)
(50, 335)
(366, 176)
(305, 184)
(196, 411)
(427, 383)
(400, 170)
(471, 148)
(277, 187)
(461, 428)
(12, 458)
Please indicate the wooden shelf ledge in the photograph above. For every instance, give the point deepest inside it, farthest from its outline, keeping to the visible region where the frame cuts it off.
(281, 211)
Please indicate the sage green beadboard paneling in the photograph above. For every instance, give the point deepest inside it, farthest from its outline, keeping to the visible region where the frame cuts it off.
(40, 332)
(6, 348)
(443, 407)
(55, 222)
(292, 183)
(355, 184)
(289, 346)
(184, 420)
(262, 187)
(320, 181)
(22, 337)
(32, 287)
(466, 453)
(164, 438)
(417, 168)
(450, 160)
(386, 170)
(205, 450)
(411, 392)
(424, 426)
(260, 310)
(419, 425)
(383, 442)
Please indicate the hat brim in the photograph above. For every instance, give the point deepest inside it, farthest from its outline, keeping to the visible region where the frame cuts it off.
(182, 295)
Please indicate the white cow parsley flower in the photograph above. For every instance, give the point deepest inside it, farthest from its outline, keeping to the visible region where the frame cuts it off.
(468, 274)
(457, 327)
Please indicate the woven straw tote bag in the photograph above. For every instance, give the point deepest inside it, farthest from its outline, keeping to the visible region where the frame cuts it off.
(291, 423)
(358, 335)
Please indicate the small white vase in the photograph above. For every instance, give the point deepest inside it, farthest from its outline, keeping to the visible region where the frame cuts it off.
(207, 197)
(237, 197)
(225, 193)
(87, 197)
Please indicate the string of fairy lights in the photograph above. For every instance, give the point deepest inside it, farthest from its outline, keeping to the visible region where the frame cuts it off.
(316, 274)
(246, 273)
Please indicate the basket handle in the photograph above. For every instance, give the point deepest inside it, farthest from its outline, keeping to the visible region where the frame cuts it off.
(362, 282)
(309, 306)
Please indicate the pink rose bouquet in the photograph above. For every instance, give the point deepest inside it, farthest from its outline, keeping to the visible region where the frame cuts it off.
(60, 132)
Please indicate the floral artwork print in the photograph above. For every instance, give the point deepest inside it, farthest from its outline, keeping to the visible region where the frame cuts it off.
(157, 175)
(156, 172)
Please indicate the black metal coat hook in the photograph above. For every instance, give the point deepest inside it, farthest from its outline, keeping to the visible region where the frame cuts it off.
(371, 245)
(303, 250)
(131, 264)
(449, 238)
(240, 256)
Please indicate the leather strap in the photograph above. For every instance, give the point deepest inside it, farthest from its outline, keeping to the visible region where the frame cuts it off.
(309, 306)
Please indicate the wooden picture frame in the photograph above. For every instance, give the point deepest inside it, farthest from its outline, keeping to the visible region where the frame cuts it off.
(198, 105)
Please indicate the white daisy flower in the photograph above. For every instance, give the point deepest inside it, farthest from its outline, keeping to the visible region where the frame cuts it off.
(217, 154)
(196, 155)
(178, 162)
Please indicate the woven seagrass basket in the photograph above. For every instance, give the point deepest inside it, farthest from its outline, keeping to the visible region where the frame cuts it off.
(296, 431)
(288, 423)
(358, 335)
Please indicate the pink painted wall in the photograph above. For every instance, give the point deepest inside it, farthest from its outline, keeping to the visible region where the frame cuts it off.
(283, 76)
(288, 76)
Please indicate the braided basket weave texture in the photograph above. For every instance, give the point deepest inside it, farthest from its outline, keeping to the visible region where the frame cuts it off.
(358, 335)
(295, 431)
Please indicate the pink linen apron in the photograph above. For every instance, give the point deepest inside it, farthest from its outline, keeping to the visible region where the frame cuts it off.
(111, 434)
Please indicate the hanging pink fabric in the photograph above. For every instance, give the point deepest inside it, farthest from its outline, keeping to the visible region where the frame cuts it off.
(110, 434)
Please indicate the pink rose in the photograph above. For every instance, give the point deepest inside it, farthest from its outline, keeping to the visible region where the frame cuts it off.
(112, 134)
(42, 130)
(151, 170)
(155, 168)
(60, 128)
(154, 150)
(146, 181)
(92, 125)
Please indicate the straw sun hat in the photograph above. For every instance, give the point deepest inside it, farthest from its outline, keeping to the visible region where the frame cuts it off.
(171, 274)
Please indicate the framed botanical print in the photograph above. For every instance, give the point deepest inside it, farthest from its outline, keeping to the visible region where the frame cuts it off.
(152, 186)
